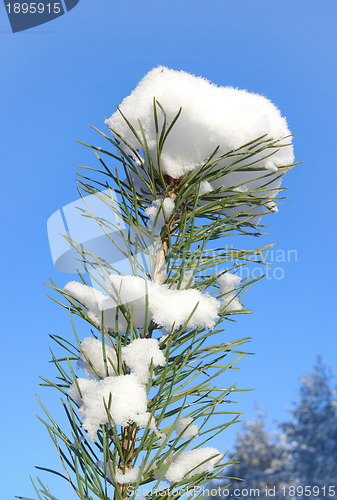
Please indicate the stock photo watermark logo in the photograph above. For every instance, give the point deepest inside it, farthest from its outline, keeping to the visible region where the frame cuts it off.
(89, 235)
(273, 266)
(26, 15)
(92, 228)
(73, 222)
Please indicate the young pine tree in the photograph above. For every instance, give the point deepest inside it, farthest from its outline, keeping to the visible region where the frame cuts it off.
(196, 164)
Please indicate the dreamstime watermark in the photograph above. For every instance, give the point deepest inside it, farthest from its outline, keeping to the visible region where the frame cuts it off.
(25, 15)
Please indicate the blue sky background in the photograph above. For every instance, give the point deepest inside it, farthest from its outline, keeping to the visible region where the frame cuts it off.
(64, 76)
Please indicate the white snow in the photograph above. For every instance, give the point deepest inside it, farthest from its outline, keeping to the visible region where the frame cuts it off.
(166, 306)
(159, 211)
(272, 206)
(124, 290)
(93, 349)
(186, 429)
(211, 116)
(241, 189)
(84, 384)
(128, 402)
(228, 282)
(126, 393)
(130, 476)
(138, 356)
(181, 467)
(87, 295)
(205, 187)
(187, 280)
(174, 307)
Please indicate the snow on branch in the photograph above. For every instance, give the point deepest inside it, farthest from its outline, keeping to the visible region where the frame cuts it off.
(211, 117)
(228, 283)
(191, 463)
(124, 396)
(139, 354)
(186, 429)
(92, 355)
(166, 306)
(159, 211)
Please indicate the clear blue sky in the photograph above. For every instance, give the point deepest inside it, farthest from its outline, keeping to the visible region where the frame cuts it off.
(65, 75)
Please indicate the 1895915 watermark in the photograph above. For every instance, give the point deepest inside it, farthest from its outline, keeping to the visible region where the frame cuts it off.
(245, 492)
(25, 15)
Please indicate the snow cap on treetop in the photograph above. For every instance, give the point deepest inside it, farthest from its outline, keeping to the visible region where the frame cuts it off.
(211, 116)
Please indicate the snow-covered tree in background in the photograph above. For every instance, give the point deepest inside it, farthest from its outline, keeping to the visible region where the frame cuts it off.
(299, 461)
(312, 432)
(262, 461)
(197, 163)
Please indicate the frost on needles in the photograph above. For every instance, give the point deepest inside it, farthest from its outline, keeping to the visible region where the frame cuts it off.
(187, 164)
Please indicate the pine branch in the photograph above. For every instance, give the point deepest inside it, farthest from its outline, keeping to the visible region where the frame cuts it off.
(176, 258)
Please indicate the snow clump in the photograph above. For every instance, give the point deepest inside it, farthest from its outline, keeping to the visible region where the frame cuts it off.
(186, 429)
(228, 282)
(159, 212)
(91, 298)
(166, 306)
(93, 349)
(174, 307)
(211, 116)
(128, 291)
(139, 354)
(205, 187)
(181, 467)
(130, 476)
(124, 395)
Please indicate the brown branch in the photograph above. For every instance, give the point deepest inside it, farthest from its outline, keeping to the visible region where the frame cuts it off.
(128, 440)
(162, 252)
